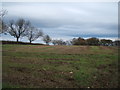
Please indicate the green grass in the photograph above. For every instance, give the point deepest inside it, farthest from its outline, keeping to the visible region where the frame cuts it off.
(37, 66)
(8, 85)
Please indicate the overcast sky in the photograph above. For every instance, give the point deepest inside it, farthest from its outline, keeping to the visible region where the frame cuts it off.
(68, 20)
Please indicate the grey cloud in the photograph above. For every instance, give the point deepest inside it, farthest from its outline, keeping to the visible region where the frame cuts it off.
(68, 19)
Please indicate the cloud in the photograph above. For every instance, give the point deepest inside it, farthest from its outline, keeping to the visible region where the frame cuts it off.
(69, 19)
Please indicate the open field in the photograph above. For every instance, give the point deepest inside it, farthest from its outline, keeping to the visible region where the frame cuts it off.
(38, 66)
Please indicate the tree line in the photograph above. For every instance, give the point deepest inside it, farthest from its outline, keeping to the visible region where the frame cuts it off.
(24, 28)
(21, 28)
(93, 41)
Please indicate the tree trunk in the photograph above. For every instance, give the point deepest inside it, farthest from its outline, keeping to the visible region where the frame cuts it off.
(30, 41)
(17, 40)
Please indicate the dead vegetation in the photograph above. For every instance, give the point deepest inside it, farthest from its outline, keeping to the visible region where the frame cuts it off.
(60, 66)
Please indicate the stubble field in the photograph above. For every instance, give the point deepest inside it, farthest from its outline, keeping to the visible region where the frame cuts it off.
(39, 66)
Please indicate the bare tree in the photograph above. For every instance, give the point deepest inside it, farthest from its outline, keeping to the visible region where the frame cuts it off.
(3, 13)
(47, 39)
(54, 42)
(3, 26)
(68, 42)
(33, 34)
(18, 28)
(58, 42)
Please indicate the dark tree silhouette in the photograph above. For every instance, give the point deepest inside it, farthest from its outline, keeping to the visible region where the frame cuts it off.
(18, 28)
(33, 33)
(105, 42)
(78, 41)
(82, 41)
(75, 41)
(47, 39)
(117, 42)
(92, 41)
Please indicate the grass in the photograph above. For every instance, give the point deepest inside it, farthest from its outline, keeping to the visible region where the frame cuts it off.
(6, 85)
(34, 66)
